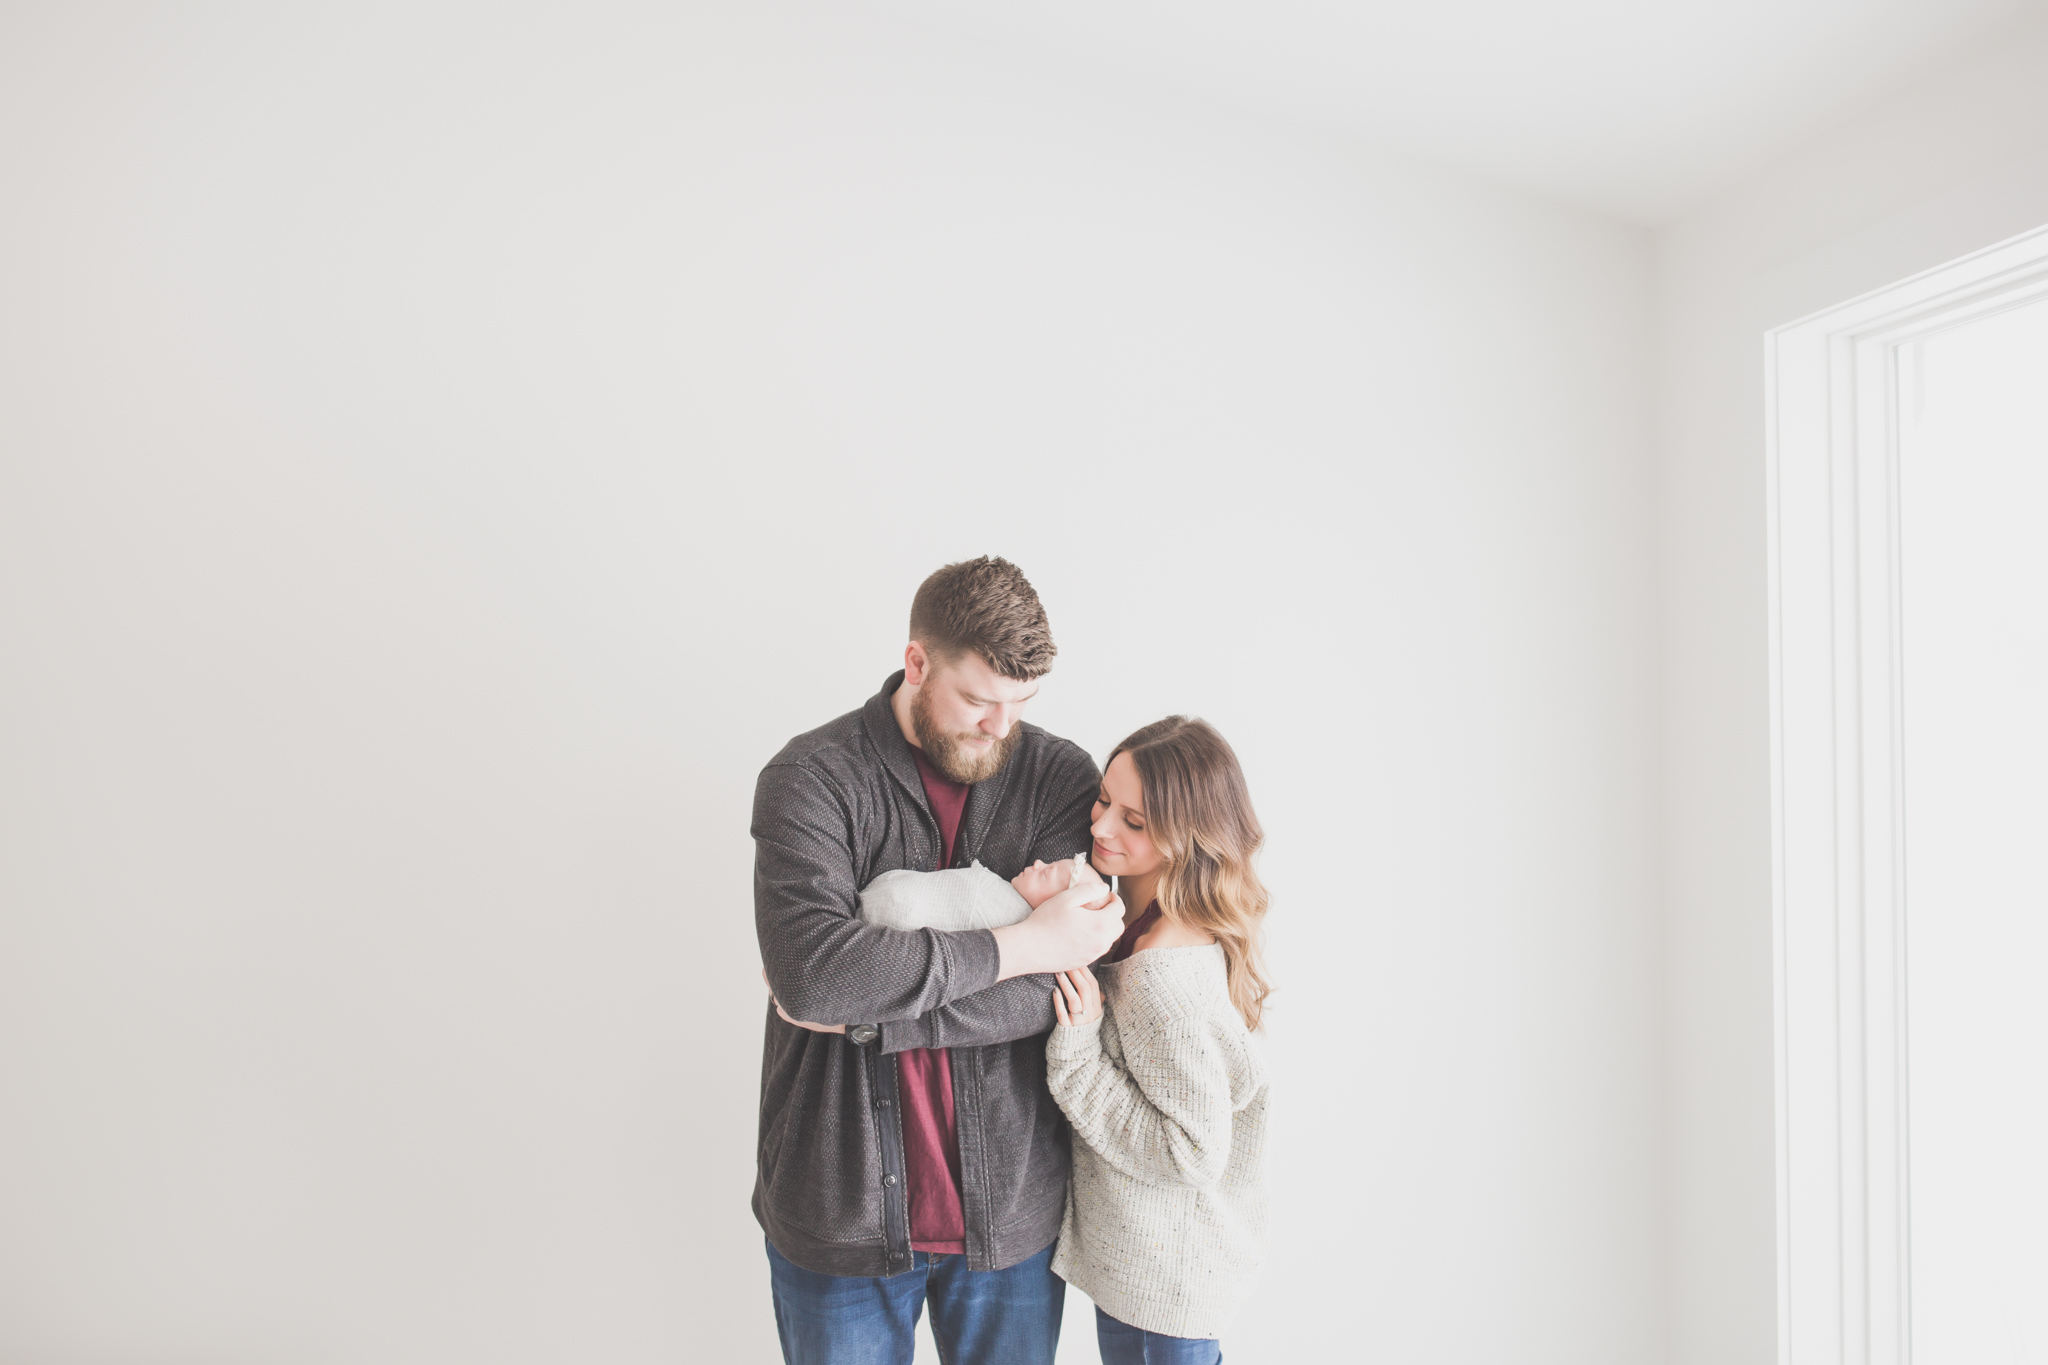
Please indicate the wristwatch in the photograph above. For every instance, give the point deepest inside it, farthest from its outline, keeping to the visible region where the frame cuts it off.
(860, 1035)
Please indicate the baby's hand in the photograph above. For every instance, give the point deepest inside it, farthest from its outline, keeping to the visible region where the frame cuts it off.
(1085, 875)
(1100, 901)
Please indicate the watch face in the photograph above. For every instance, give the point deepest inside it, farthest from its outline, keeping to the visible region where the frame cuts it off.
(863, 1033)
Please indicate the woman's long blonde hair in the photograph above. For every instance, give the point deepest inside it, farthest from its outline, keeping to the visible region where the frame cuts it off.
(1199, 814)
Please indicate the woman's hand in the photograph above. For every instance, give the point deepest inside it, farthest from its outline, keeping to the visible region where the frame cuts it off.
(1077, 999)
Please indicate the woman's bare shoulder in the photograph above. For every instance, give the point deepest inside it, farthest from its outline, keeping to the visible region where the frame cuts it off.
(1167, 934)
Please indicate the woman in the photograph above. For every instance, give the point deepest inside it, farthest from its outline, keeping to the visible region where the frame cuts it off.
(1154, 1064)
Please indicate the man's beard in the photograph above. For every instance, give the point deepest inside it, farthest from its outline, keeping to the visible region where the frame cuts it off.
(949, 755)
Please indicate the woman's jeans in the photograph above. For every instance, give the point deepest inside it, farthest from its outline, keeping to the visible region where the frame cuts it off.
(979, 1317)
(1123, 1344)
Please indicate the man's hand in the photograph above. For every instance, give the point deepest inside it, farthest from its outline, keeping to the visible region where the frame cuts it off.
(800, 1023)
(1060, 934)
(804, 1023)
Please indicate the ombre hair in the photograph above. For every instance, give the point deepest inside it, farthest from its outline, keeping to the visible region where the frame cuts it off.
(1199, 815)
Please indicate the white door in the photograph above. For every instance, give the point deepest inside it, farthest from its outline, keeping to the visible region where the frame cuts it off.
(1973, 568)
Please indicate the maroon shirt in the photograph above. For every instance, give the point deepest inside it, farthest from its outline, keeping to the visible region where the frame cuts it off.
(931, 1143)
(1127, 942)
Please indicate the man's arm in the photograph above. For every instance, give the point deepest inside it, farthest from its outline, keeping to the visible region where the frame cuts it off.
(1005, 1012)
(1064, 831)
(822, 963)
(1018, 1006)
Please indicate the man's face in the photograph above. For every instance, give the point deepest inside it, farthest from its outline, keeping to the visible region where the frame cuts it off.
(966, 717)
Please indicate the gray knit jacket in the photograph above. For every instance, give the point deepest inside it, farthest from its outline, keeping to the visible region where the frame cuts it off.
(835, 809)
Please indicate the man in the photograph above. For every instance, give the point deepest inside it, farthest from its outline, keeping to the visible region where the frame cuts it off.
(908, 1145)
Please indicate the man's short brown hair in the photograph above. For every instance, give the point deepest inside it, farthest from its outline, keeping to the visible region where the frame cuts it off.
(985, 605)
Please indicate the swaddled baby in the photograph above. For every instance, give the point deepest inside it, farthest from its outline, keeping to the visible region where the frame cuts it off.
(971, 897)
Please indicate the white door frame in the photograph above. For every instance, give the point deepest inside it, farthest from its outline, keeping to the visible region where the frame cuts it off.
(1837, 811)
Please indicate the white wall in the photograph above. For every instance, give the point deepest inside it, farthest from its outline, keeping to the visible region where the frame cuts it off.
(444, 452)
(1952, 165)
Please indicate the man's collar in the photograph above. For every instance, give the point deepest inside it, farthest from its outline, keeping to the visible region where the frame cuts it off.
(887, 734)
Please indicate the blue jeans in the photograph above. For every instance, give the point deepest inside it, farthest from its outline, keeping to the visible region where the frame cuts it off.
(979, 1317)
(1122, 1344)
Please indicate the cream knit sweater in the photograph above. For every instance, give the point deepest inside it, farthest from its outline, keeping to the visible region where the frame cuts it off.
(1166, 1214)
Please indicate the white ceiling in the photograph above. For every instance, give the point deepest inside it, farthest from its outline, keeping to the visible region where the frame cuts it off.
(1636, 108)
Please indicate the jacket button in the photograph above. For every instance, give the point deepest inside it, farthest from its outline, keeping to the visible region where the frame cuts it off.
(889, 1179)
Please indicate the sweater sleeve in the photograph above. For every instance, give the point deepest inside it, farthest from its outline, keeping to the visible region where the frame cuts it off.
(1164, 1116)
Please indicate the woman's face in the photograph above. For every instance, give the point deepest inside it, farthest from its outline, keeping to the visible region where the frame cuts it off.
(1123, 848)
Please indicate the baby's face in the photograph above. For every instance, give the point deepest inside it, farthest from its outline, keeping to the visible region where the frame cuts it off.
(1041, 881)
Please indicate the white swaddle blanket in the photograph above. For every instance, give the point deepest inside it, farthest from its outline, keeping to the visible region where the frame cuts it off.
(953, 899)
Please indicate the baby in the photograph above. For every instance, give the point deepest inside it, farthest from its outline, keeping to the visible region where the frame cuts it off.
(972, 897)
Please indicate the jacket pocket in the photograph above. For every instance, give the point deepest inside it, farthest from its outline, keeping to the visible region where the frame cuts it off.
(821, 1167)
